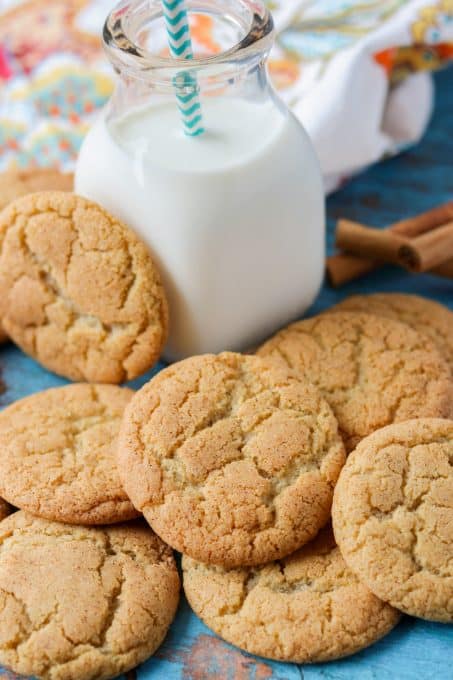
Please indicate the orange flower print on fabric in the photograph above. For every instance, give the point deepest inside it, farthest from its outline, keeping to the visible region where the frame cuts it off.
(400, 62)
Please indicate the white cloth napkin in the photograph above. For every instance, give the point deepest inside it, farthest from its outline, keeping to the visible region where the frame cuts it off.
(360, 82)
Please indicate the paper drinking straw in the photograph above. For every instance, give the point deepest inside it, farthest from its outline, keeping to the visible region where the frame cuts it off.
(186, 86)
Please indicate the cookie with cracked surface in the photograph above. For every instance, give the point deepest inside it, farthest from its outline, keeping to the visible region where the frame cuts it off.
(424, 315)
(298, 609)
(231, 458)
(78, 291)
(373, 371)
(393, 516)
(112, 596)
(58, 454)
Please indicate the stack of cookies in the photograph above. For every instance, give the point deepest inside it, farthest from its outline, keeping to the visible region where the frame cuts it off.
(235, 461)
(309, 487)
(88, 590)
(78, 600)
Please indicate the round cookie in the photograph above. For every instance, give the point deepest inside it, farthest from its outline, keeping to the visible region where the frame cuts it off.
(78, 291)
(373, 371)
(231, 459)
(17, 182)
(306, 608)
(58, 454)
(111, 597)
(393, 516)
(422, 314)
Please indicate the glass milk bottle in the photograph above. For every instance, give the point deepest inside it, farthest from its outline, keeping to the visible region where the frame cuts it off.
(234, 216)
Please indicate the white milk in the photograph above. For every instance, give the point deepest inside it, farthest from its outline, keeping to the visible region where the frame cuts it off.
(234, 218)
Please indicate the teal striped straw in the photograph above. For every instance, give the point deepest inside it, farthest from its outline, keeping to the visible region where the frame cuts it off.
(186, 86)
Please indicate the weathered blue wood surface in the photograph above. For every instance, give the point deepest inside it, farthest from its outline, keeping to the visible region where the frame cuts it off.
(396, 188)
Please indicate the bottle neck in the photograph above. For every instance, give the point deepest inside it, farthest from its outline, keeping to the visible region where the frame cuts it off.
(132, 93)
(230, 42)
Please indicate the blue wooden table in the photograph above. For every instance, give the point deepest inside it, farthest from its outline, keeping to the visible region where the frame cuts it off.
(411, 183)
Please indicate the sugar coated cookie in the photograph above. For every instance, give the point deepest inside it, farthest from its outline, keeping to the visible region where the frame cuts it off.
(231, 459)
(306, 608)
(58, 454)
(78, 290)
(425, 316)
(393, 516)
(79, 602)
(373, 371)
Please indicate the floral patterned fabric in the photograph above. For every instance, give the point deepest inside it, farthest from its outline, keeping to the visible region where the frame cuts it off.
(354, 71)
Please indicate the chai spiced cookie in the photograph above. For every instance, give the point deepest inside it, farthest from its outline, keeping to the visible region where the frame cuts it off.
(58, 454)
(393, 516)
(78, 291)
(424, 315)
(81, 602)
(231, 458)
(373, 371)
(18, 182)
(306, 608)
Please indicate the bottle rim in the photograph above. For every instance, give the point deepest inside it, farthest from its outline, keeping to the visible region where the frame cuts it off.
(126, 54)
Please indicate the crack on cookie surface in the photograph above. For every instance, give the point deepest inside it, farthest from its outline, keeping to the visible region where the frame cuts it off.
(422, 314)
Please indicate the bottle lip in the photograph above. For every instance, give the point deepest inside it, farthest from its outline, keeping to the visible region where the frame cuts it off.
(127, 54)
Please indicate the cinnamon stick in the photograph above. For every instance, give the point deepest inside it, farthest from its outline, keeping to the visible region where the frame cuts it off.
(382, 245)
(445, 269)
(420, 224)
(343, 268)
(429, 250)
(419, 254)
